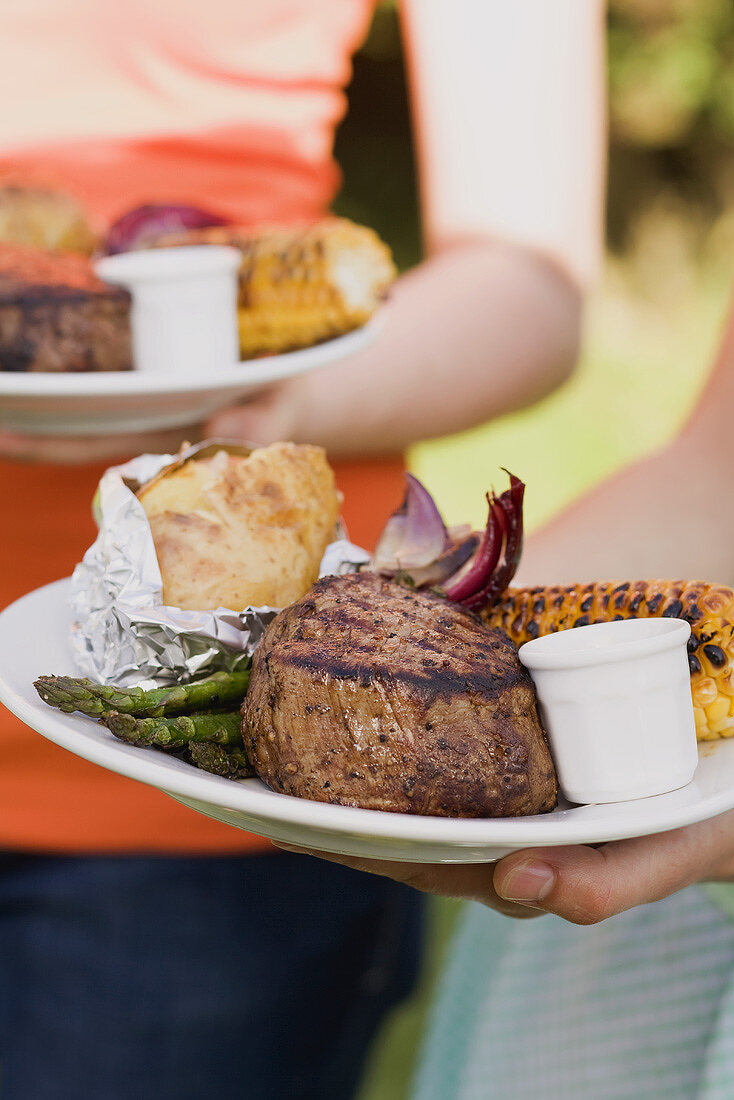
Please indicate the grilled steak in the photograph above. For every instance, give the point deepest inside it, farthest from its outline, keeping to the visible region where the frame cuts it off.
(56, 315)
(366, 693)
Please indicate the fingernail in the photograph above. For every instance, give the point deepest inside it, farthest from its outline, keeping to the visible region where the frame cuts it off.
(528, 882)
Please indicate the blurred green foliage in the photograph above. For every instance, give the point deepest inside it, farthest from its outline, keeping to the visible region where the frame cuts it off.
(374, 145)
(671, 108)
(670, 66)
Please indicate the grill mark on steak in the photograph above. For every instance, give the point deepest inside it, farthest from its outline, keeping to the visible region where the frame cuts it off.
(364, 693)
(432, 635)
(437, 680)
(56, 315)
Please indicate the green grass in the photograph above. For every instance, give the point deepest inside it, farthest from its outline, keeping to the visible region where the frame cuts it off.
(643, 364)
(390, 1070)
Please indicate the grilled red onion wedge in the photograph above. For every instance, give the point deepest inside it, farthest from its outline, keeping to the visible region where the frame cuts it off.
(417, 549)
(143, 225)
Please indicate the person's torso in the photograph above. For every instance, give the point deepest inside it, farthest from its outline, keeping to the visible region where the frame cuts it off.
(231, 101)
(231, 104)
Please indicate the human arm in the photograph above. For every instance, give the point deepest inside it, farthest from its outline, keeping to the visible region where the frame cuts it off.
(668, 515)
(508, 104)
(457, 349)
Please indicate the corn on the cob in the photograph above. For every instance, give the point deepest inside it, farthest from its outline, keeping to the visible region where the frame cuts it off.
(301, 285)
(526, 613)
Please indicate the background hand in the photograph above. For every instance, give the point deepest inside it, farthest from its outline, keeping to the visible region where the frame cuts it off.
(278, 413)
(406, 386)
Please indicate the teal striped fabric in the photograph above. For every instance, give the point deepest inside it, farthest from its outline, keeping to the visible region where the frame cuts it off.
(640, 1007)
(722, 895)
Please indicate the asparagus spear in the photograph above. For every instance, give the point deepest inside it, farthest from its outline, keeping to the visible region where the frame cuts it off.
(220, 729)
(94, 700)
(230, 762)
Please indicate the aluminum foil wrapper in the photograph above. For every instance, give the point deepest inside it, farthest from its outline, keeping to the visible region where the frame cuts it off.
(122, 631)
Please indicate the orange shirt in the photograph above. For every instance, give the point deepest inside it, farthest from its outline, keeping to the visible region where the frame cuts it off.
(50, 799)
(231, 104)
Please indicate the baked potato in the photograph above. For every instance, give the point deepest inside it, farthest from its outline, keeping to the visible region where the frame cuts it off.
(237, 530)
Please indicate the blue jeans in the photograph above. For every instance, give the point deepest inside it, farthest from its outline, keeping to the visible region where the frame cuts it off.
(232, 978)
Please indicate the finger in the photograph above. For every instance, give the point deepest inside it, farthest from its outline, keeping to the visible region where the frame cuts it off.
(262, 420)
(470, 882)
(230, 424)
(586, 885)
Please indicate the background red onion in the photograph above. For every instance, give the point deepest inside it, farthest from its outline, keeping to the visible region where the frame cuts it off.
(145, 224)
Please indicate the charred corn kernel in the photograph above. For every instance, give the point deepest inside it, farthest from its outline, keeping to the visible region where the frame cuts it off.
(718, 710)
(699, 717)
(526, 613)
(300, 285)
(704, 692)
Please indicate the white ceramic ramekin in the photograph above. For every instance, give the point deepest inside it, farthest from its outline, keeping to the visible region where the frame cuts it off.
(615, 699)
(184, 306)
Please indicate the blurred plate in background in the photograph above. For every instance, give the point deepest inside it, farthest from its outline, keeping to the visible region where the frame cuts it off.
(133, 401)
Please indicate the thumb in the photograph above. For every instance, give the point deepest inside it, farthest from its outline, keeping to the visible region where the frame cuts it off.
(264, 419)
(586, 885)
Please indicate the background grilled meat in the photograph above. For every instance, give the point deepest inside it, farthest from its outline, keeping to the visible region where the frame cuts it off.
(366, 693)
(56, 315)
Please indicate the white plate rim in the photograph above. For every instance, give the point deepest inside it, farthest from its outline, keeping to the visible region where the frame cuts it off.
(570, 826)
(247, 374)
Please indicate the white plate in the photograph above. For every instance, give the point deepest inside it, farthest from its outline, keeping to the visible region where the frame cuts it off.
(33, 642)
(133, 401)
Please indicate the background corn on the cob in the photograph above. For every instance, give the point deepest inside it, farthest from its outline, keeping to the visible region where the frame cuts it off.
(300, 285)
(526, 613)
